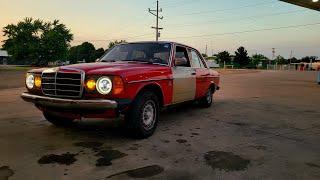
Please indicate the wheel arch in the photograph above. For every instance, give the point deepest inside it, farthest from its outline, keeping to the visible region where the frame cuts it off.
(214, 87)
(153, 87)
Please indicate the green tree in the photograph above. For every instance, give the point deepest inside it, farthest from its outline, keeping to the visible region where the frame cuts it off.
(113, 43)
(99, 52)
(281, 60)
(242, 57)
(308, 59)
(256, 59)
(36, 42)
(204, 55)
(54, 42)
(223, 56)
(85, 52)
(294, 60)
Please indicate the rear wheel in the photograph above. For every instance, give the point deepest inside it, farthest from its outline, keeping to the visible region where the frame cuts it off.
(57, 120)
(142, 118)
(207, 101)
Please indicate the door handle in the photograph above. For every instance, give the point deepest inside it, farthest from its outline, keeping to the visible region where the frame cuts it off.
(193, 73)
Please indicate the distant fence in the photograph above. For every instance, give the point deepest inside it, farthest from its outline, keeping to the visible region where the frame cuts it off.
(285, 67)
(295, 67)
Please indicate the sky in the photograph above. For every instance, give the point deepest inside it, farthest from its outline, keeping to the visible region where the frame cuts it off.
(258, 25)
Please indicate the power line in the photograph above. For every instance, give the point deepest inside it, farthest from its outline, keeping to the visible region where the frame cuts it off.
(156, 14)
(130, 37)
(247, 31)
(177, 4)
(229, 9)
(241, 18)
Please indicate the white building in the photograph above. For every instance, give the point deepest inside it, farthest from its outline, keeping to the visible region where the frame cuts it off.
(4, 56)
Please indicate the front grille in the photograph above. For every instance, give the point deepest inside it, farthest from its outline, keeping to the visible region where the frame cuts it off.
(62, 84)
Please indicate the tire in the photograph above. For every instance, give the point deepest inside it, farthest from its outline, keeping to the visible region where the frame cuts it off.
(58, 121)
(207, 101)
(142, 118)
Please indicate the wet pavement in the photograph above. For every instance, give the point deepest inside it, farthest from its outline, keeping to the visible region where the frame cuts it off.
(264, 125)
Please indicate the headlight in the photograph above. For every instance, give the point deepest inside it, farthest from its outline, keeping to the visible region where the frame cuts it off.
(104, 85)
(30, 81)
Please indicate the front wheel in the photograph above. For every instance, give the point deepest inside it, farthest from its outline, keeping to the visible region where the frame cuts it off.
(57, 120)
(207, 101)
(142, 118)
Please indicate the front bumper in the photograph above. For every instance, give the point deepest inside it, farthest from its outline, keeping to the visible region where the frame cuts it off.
(74, 104)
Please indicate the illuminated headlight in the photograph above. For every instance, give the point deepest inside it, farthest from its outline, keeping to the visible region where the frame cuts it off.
(30, 81)
(104, 85)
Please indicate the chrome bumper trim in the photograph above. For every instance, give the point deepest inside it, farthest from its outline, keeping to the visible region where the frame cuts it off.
(69, 103)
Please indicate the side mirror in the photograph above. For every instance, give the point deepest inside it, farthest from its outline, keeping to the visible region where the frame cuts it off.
(97, 60)
(181, 62)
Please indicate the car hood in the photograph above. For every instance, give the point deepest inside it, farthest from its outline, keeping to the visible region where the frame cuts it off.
(109, 68)
(128, 70)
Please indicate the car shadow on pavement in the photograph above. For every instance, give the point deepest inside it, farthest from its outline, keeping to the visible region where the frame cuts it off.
(115, 128)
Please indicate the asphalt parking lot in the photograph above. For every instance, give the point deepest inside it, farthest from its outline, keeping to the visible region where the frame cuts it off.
(264, 125)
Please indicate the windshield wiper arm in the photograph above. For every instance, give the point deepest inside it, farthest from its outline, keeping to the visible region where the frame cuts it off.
(138, 61)
(108, 61)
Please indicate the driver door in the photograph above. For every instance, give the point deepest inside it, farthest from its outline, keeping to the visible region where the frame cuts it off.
(184, 77)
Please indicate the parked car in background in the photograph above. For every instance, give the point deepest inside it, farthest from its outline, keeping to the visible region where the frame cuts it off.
(136, 80)
(212, 64)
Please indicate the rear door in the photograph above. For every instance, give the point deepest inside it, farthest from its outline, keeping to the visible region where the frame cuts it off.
(184, 78)
(202, 73)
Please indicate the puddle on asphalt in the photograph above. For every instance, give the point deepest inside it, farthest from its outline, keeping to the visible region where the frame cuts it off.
(313, 165)
(91, 145)
(144, 172)
(66, 159)
(106, 156)
(133, 148)
(238, 123)
(5, 172)
(259, 147)
(226, 161)
(165, 141)
(181, 141)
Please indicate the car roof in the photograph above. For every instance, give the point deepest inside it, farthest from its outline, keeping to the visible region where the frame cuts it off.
(159, 42)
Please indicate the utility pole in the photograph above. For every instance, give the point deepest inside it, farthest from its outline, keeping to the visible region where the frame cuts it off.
(291, 56)
(156, 13)
(206, 49)
(274, 57)
(273, 53)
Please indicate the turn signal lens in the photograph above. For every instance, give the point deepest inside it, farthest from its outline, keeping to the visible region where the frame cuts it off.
(118, 86)
(91, 84)
(37, 82)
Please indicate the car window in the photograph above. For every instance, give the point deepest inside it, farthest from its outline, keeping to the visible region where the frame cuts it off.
(138, 55)
(196, 60)
(182, 53)
(158, 53)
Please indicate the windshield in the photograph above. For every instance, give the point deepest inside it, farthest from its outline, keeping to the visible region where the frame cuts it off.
(156, 53)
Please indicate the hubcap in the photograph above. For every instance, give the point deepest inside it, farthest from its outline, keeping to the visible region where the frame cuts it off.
(149, 115)
(209, 97)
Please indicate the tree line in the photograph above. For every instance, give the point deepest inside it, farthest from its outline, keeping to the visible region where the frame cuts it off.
(242, 59)
(36, 42)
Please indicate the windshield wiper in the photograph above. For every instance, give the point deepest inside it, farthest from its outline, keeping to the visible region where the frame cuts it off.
(108, 61)
(137, 61)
